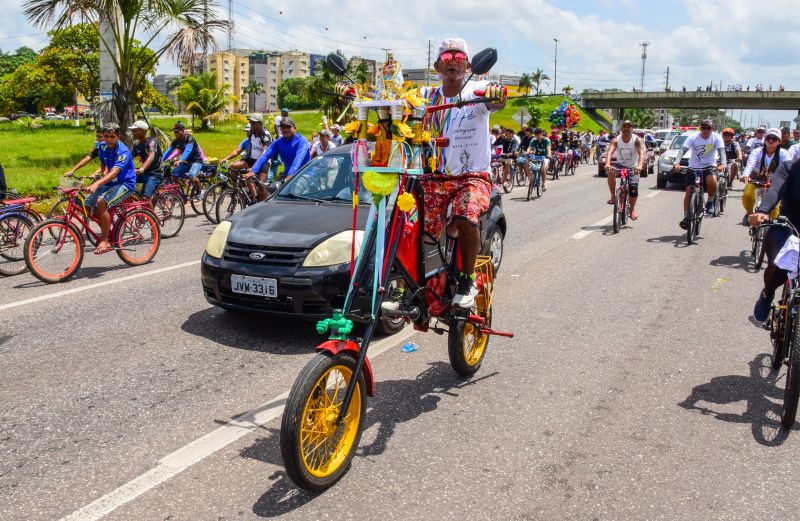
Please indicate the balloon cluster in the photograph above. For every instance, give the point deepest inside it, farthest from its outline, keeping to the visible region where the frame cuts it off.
(565, 116)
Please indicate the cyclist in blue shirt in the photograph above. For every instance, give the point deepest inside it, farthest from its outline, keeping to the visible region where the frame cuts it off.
(291, 147)
(117, 182)
(93, 153)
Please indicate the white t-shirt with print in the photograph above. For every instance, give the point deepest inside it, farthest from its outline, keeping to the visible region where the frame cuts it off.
(467, 129)
(703, 151)
(754, 143)
(318, 147)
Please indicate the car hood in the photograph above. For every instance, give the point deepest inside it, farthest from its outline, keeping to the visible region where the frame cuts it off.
(292, 224)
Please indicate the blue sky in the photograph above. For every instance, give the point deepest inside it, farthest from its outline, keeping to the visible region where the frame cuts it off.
(728, 41)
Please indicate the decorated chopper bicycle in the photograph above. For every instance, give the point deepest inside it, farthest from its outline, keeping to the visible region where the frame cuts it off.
(324, 415)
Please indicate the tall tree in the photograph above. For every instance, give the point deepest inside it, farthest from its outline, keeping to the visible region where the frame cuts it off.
(172, 28)
(203, 98)
(567, 90)
(525, 83)
(537, 78)
(9, 62)
(253, 89)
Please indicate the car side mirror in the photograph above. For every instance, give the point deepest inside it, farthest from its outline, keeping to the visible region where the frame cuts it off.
(483, 61)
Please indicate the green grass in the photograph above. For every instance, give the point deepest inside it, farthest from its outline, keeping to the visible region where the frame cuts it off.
(33, 161)
(506, 117)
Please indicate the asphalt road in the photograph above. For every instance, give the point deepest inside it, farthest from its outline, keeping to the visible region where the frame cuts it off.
(635, 388)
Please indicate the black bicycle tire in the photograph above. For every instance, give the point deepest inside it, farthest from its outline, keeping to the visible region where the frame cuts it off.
(179, 204)
(690, 230)
(783, 336)
(209, 208)
(231, 192)
(615, 213)
(19, 265)
(538, 183)
(792, 389)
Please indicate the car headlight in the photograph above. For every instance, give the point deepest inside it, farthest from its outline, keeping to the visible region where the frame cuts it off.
(669, 160)
(216, 243)
(335, 250)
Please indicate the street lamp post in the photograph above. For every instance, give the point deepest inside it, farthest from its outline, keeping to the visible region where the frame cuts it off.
(555, 68)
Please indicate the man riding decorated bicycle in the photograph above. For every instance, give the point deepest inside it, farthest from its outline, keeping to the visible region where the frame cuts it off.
(252, 148)
(704, 146)
(466, 161)
(117, 182)
(630, 152)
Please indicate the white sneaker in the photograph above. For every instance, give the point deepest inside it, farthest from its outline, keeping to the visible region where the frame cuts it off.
(390, 305)
(465, 296)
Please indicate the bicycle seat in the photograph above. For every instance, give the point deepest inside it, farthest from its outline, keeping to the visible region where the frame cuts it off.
(24, 200)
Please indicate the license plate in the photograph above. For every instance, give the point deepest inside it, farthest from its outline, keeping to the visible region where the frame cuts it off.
(258, 286)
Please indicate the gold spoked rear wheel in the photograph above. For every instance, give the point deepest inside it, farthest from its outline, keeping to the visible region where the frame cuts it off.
(317, 449)
(466, 342)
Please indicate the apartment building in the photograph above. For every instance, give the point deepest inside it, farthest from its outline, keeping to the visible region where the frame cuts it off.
(232, 68)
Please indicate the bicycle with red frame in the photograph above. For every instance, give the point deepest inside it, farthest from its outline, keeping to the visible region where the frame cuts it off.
(324, 415)
(622, 209)
(55, 247)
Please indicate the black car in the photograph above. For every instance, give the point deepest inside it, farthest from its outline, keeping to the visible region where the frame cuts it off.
(290, 256)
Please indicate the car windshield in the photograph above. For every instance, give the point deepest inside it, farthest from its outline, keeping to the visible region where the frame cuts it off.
(677, 142)
(325, 178)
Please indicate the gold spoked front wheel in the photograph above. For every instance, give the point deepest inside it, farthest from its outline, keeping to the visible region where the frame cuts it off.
(317, 448)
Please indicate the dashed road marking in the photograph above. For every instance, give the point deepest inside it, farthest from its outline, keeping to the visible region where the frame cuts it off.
(589, 229)
(95, 285)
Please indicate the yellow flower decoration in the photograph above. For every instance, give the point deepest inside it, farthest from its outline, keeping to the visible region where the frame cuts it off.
(404, 130)
(413, 97)
(352, 127)
(378, 183)
(373, 129)
(425, 136)
(406, 202)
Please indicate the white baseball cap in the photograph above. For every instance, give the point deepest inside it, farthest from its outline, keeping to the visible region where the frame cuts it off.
(453, 44)
(255, 117)
(773, 132)
(140, 125)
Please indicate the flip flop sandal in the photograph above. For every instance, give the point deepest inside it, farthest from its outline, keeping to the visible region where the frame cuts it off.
(99, 251)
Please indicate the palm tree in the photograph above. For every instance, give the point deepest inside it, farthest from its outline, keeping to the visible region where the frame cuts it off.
(175, 28)
(203, 97)
(567, 90)
(525, 84)
(537, 78)
(253, 89)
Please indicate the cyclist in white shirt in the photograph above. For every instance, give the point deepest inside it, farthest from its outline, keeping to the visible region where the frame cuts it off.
(705, 147)
(760, 166)
(755, 142)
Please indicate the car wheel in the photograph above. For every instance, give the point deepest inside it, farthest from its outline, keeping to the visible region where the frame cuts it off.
(661, 180)
(496, 248)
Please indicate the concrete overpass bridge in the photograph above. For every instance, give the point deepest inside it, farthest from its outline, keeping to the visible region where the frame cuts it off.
(775, 100)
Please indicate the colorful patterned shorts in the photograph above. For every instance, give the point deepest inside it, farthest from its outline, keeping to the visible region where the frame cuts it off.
(468, 193)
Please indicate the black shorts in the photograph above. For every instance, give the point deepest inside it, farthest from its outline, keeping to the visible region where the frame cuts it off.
(688, 179)
(250, 161)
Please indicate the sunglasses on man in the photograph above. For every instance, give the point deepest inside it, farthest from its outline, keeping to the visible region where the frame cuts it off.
(459, 56)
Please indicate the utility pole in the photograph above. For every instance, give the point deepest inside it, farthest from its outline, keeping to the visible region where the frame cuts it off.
(555, 68)
(428, 68)
(230, 25)
(643, 45)
(666, 82)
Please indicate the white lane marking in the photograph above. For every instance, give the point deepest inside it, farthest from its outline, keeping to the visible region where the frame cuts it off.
(650, 196)
(176, 462)
(589, 229)
(96, 285)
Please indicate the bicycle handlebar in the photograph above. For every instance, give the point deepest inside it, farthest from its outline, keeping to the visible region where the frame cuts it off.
(780, 222)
